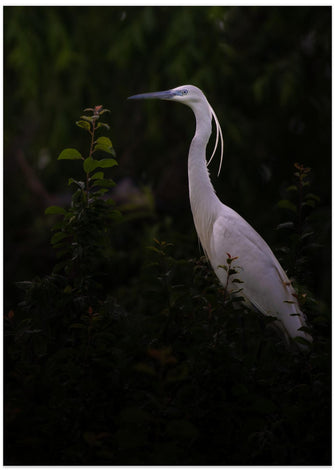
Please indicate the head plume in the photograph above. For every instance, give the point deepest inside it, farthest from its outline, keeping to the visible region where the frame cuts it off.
(218, 136)
(189, 95)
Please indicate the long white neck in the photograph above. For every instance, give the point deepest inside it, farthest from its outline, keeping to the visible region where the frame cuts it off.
(204, 202)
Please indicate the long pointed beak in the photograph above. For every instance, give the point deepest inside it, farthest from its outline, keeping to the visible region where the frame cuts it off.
(158, 95)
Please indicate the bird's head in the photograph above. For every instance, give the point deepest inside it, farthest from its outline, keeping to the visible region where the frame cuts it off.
(186, 94)
(193, 97)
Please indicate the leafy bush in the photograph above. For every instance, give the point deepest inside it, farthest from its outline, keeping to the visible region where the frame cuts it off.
(157, 368)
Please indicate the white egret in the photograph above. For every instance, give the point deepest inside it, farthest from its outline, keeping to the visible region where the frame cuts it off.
(221, 230)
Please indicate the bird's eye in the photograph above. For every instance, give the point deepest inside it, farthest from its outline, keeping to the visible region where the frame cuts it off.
(181, 92)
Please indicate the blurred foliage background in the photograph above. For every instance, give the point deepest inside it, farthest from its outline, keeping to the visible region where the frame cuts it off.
(265, 70)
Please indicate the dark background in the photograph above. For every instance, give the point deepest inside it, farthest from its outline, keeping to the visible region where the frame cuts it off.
(266, 71)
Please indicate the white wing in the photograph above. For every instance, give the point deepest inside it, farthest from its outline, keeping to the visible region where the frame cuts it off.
(265, 284)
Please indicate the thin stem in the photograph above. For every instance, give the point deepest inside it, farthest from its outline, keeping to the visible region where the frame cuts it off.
(300, 193)
(92, 140)
(226, 287)
(90, 155)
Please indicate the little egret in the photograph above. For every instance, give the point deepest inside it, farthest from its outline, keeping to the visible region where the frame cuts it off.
(222, 231)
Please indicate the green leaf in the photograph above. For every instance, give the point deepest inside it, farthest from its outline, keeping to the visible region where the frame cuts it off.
(105, 145)
(232, 271)
(98, 175)
(237, 291)
(87, 118)
(223, 266)
(104, 141)
(313, 196)
(102, 148)
(104, 111)
(83, 124)
(105, 183)
(89, 164)
(55, 210)
(70, 154)
(80, 184)
(106, 163)
(310, 203)
(286, 204)
(68, 289)
(101, 191)
(103, 124)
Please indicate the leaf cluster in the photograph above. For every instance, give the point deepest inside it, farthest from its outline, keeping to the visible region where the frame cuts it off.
(161, 369)
(82, 236)
(180, 378)
(298, 229)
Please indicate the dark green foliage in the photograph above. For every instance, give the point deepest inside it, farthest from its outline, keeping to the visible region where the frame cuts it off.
(302, 247)
(298, 229)
(164, 370)
(182, 378)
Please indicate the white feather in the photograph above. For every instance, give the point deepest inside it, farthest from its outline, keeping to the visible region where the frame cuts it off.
(221, 230)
